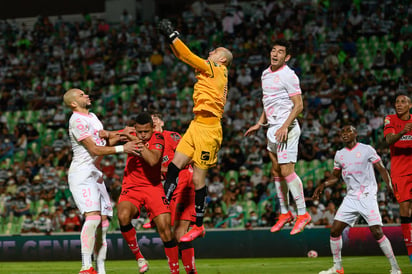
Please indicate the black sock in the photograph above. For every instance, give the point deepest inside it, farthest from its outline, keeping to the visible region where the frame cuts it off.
(172, 176)
(125, 228)
(200, 204)
(405, 220)
(185, 245)
(170, 244)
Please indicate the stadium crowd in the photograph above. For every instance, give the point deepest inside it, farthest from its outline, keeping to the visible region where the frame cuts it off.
(352, 58)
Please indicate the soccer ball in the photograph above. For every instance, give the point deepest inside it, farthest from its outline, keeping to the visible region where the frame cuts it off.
(312, 254)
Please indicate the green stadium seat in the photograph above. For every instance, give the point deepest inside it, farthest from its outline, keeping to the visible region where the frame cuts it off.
(232, 174)
(248, 206)
(19, 156)
(288, 34)
(300, 167)
(397, 73)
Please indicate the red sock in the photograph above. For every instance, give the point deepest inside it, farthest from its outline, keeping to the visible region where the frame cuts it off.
(406, 231)
(188, 259)
(172, 254)
(130, 237)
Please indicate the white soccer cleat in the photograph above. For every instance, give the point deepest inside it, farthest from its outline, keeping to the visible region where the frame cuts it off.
(143, 265)
(395, 271)
(332, 270)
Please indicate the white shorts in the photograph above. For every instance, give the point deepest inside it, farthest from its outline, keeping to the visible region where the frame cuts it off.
(89, 191)
(351, 208)
(286, 152)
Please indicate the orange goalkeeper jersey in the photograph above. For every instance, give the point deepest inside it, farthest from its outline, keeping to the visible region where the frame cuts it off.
(210, 90)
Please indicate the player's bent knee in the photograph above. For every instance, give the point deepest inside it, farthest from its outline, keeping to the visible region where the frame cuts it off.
(124, 217)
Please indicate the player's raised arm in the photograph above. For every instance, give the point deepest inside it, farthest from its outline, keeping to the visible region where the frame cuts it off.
(182, 51)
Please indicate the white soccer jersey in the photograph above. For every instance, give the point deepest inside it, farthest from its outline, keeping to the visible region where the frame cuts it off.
(357, 170)
(82, 126)
(278, 86)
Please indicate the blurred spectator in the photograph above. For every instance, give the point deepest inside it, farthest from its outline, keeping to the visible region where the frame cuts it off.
(308, 192)
(216, 187)
(58, 219)
(218, 218)
(235, 213)
(43, 224)
(6, 148)
(32, 133)
(72, 222)
(329, 214)
(316, 214)
(28, 224)
(254, 158)
(21, 205)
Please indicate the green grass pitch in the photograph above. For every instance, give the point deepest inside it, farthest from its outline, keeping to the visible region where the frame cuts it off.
(352, 265)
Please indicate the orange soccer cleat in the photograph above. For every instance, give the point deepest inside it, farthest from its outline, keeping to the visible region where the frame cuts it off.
(149, 225)
(87, 270)
(195, 232)
(301, 222)
(283, 219)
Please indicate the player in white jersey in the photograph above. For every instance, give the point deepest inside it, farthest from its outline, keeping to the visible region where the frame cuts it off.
(89, 142)
(282, 103)
(356, 163)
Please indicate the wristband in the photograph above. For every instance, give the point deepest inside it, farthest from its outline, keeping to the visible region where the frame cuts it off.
(172, 36)
(119, 149)
(262, 125)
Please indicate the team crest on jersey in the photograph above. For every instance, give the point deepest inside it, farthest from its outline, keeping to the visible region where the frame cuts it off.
(158, 146)
(276, 79)
(205, 156)
(387, 121)
(175, 137)
(165, 159)
(159, 136)
(358, 154)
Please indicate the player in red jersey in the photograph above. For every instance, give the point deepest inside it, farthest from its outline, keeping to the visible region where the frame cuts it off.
(142, 187)
(182, 204)
(398, 135)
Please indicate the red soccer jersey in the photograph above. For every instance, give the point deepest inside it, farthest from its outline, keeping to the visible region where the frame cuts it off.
(171, 140)
(401, 151)
(138, 172)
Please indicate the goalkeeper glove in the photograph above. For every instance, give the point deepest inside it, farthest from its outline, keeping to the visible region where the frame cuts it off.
(165, 27)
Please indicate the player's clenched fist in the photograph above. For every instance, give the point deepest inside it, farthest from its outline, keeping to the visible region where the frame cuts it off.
(165, 27)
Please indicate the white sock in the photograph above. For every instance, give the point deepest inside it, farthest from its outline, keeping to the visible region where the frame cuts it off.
(101, 246)
(282, 196)
(296, 188)
(88, 238)
(386, 247)
(336, 248)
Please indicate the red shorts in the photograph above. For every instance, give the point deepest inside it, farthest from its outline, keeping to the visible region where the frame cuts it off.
(183, 200)
(153, 198)
(402, 188)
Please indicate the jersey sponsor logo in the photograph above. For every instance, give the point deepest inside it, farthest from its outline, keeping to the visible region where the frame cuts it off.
(406, 138)
(205, 156)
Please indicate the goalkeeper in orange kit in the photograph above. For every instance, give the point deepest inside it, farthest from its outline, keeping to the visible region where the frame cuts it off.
(202, 140)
